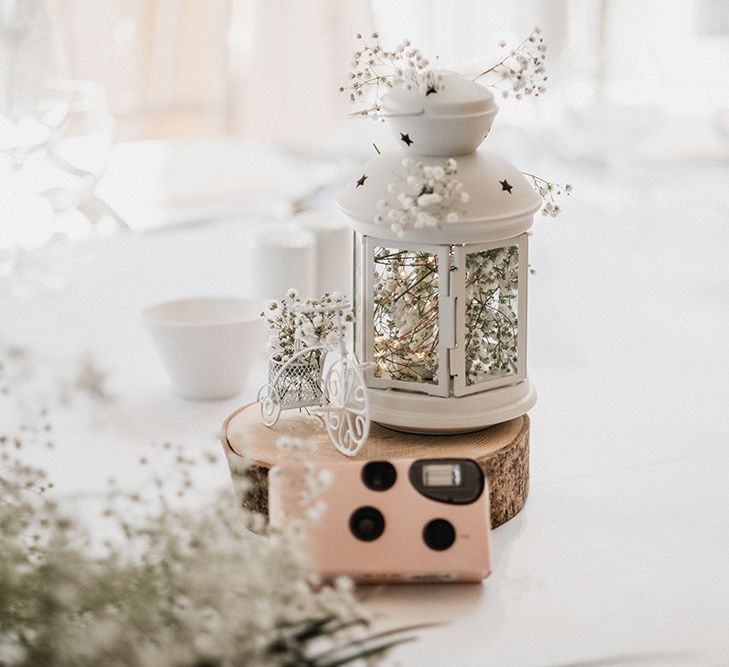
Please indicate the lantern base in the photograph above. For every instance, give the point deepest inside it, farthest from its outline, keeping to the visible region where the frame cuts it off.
(420, 413)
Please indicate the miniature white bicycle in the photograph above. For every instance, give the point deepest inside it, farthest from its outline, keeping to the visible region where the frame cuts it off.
(335, 392)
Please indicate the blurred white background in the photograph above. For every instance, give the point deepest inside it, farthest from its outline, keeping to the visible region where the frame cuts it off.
(144, 143)
(185, 68)
(237, 101)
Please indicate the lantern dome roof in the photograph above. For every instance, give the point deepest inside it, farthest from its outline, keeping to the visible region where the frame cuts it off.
(457, 95)
(451, 118)
(499, 203)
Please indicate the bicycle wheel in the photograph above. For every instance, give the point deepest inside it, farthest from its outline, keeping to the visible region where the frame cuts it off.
(346, 418)
(270, 403)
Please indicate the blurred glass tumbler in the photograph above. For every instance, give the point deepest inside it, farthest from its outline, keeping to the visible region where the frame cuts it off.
(208, 346)
(284, 256)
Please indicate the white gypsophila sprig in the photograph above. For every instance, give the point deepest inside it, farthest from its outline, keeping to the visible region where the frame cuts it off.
(184, 599)
(375, 70)
(548, 190)
(405, 317)
(295, 449)
(521, 71)
(427, 197)
(291, 329)
(169, 587)
(491, 313)
(311, 481)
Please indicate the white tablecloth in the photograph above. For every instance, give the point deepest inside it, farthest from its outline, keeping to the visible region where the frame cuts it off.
(622, 551)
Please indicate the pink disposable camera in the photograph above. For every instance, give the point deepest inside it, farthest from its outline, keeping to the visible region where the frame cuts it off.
(402, 521)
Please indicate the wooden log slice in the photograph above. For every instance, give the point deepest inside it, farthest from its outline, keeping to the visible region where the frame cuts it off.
(502, 451)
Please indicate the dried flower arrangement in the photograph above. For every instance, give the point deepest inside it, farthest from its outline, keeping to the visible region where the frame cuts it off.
(377, 69)
(406, 315)
(291, 330)
(491, 313)
(406, 335)
(169, 587)
(426, 199)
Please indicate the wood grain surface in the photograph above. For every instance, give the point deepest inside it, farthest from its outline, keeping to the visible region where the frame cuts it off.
(502, 451)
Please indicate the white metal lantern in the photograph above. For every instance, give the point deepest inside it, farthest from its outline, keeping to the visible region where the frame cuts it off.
(441, 309)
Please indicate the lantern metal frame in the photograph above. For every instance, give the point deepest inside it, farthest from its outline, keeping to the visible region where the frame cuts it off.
(442, 385)
(457, 361)
(452, 324)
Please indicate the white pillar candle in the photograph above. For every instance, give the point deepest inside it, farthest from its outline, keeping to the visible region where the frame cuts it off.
(333, 249)
(283, 256)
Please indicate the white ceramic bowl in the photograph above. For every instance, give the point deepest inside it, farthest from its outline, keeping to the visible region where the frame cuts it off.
(208, 346)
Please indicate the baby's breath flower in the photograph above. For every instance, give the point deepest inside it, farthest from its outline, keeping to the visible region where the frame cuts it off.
(548, 190)
(295, 448)
(376, 70)
(491, 314)
(521, 71)
(293, 329)
(405, 322)
(427, 196)
(188, 588)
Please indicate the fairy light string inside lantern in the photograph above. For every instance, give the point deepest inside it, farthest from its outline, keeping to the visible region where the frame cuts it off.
(405, 315)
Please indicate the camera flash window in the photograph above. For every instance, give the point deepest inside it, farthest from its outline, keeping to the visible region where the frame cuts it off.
(442, 474)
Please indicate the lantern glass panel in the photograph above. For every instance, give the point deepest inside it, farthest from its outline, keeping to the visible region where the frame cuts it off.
(491, 314)
(406, 315)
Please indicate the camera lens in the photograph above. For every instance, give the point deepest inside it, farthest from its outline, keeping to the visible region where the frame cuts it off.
(367, 524)
(439, 534)
(379, 475)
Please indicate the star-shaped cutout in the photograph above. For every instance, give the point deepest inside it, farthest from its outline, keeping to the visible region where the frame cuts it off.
(361, 180)
(431, 91)
(505, 186)
(406, 138)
